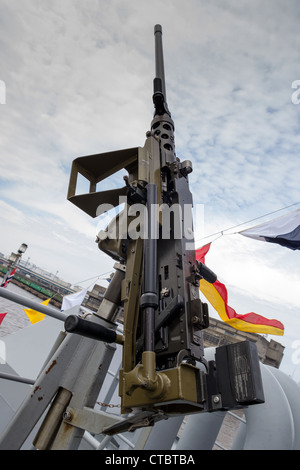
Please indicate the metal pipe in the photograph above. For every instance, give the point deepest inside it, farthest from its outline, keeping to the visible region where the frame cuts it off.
(16, 378)
(52, 421)
(19, 299)
(109, 306)
(149, 301)
(149, 328)
(94, 443)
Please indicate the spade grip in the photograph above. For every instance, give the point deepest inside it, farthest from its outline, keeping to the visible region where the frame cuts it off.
(79, 326)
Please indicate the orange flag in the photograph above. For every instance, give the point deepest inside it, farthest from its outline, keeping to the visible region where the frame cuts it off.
(35, 316)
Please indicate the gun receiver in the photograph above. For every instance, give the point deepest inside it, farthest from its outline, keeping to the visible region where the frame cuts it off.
(157, 275)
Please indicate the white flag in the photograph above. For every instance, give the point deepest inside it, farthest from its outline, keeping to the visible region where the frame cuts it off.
(72, 300)
(284, 231)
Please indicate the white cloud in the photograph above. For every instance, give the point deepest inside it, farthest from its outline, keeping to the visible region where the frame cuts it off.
(10, 214)
(79, 81)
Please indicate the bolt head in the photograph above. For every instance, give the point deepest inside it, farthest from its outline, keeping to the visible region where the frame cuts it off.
(67, 416)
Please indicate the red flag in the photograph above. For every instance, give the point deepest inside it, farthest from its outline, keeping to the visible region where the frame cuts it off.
(2, 315)
(201, 252)
(217, 296)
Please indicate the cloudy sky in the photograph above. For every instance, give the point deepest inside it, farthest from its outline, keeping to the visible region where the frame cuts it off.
(78, 79)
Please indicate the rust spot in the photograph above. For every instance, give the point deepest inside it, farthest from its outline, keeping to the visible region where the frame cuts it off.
(52, 365)
(35, 390)
(40, 398)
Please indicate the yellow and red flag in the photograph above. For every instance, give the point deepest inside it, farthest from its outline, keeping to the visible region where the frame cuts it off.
(217, 296)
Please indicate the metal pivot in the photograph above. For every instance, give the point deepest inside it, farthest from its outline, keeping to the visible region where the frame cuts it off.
(77, 360)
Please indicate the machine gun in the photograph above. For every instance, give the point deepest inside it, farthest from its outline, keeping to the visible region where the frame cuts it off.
(154, 292)
(156, 283)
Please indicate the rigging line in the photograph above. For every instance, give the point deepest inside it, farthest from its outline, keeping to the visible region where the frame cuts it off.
(52, 297)
(221, 232)
(92, 284)
(94, 277)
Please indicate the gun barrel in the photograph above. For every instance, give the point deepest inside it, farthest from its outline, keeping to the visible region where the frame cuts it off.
(159, 85)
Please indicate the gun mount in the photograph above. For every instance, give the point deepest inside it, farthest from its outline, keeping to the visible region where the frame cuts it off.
(156, 282)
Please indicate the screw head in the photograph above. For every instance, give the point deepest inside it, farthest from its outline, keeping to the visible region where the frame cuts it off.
(67, 416)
